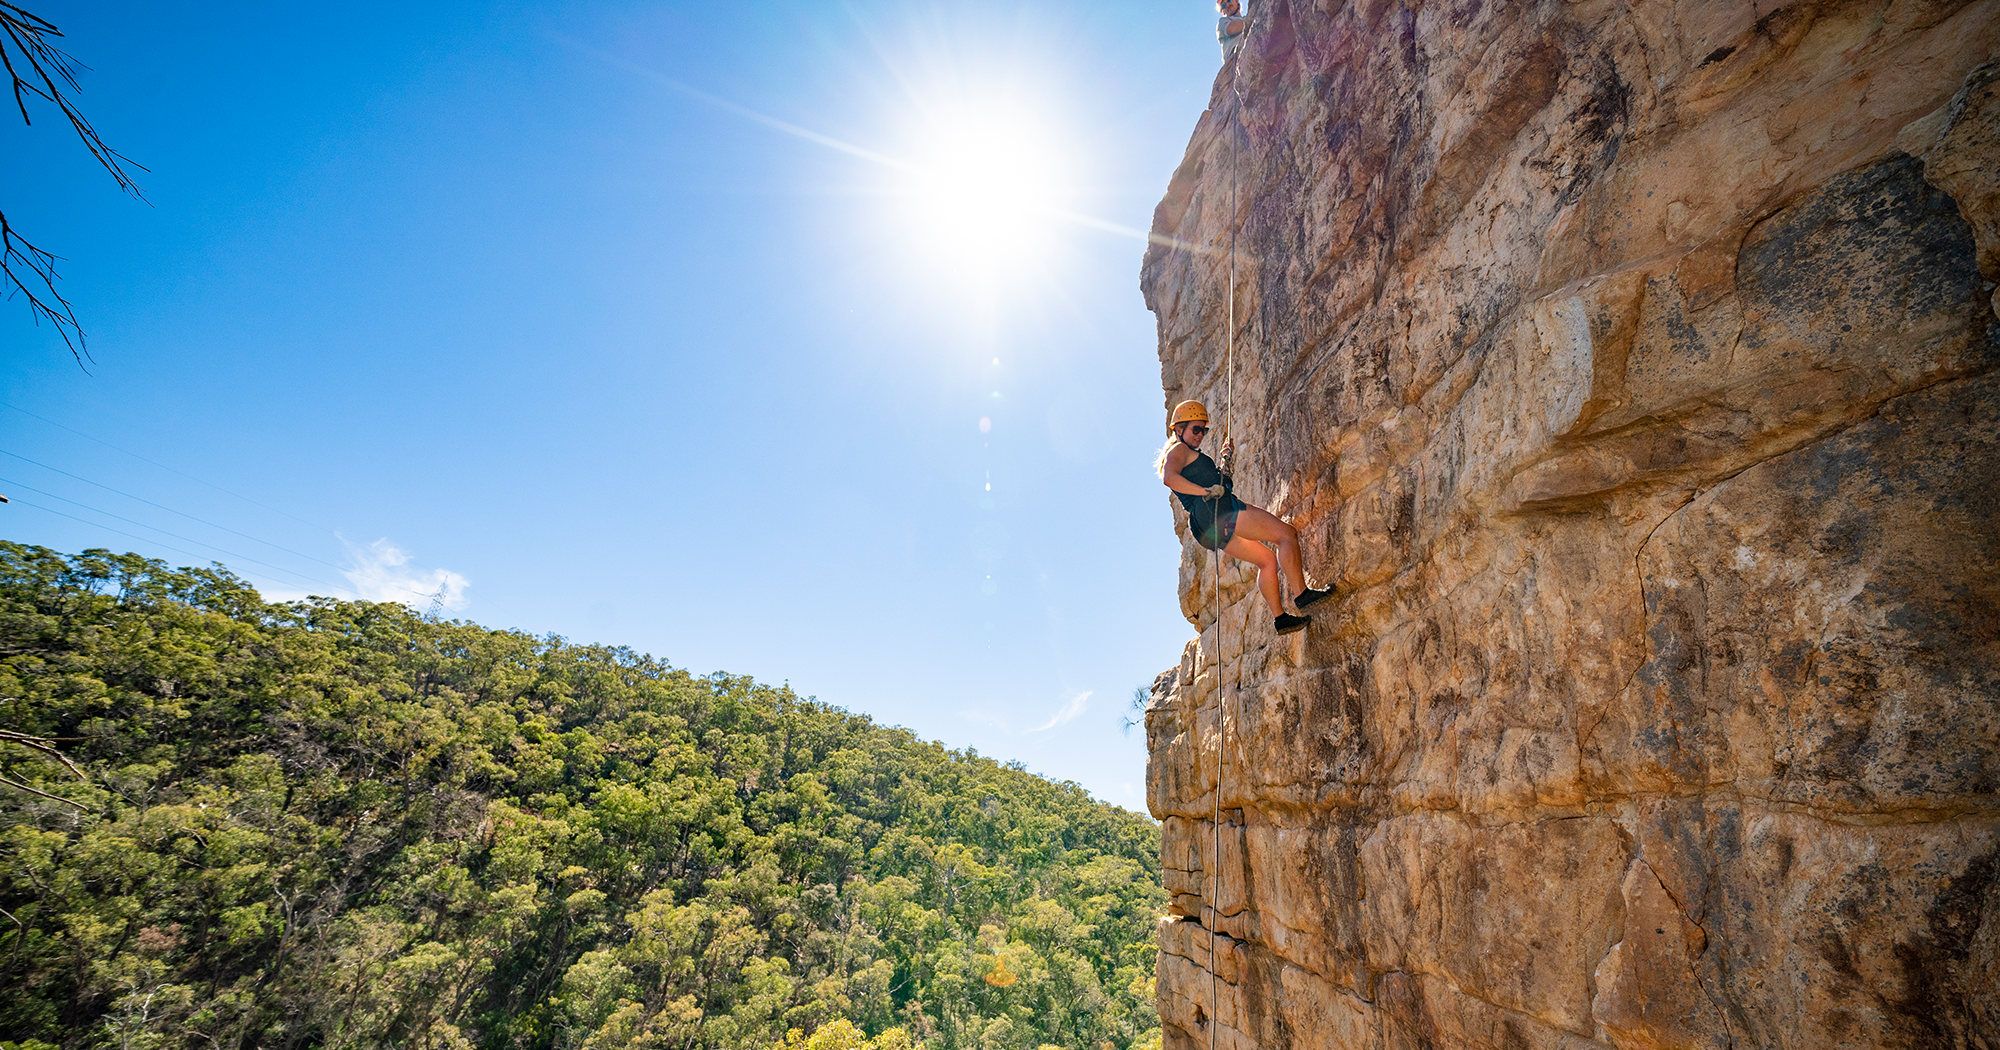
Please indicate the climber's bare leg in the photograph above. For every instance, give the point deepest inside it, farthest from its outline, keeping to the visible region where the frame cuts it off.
(1264, 526)
(1244, 549)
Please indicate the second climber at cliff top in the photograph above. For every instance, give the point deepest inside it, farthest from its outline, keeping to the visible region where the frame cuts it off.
(1231, 28)
(1221, 522)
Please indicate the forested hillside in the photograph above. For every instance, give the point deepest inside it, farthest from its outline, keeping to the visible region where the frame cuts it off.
(339, 824)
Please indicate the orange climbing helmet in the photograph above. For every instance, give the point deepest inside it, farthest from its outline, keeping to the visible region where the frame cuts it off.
(1188, 412)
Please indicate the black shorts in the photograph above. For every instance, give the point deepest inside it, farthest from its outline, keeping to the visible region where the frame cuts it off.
(1210, 532)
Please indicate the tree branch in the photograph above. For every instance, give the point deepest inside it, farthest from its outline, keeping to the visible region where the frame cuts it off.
(44, 794)
(46, 64)
(46, 745)
(17, 257)
(35, 66)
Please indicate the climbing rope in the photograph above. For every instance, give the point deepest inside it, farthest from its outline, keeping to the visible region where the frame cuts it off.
(1221, 712)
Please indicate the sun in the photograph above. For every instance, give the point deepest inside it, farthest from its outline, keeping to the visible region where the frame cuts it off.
(985, 188)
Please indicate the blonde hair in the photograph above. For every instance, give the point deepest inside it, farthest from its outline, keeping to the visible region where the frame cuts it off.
(1160, 461)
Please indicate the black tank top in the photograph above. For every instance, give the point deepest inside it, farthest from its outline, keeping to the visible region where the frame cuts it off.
(1203, 471)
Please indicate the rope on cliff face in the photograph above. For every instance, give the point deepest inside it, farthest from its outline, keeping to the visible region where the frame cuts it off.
(1221, 713)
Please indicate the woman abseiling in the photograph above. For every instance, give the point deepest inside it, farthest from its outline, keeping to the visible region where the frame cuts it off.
(1224, 523)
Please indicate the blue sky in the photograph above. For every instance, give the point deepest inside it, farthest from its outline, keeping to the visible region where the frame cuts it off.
(651, 324)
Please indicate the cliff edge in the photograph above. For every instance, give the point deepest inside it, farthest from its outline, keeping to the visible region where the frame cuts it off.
(1630, 367)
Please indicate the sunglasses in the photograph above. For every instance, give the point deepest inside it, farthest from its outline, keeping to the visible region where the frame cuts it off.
(1197, 431)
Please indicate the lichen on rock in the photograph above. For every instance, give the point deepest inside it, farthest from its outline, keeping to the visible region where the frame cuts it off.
(1631, 371)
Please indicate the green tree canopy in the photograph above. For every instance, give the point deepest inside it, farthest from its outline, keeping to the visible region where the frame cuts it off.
(340, 824)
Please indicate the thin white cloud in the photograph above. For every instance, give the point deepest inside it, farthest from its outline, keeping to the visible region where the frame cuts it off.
(1067, 714)
(382, 573)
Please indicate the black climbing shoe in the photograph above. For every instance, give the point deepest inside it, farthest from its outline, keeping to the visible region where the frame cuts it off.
(1309, 596)
(1286, 623)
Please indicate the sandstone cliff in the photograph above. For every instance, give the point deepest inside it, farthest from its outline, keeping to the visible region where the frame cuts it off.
(1629, 365)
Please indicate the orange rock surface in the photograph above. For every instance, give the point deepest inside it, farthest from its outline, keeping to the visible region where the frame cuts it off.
(1629, 366)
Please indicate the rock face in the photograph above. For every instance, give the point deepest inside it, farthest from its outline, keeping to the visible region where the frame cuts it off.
(1630, 367)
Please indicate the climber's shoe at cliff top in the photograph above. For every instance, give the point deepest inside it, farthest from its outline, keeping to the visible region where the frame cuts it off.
(1309, 596)
(1287, 623)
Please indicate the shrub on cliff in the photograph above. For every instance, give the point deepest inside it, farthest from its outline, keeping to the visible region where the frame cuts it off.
(334, 824)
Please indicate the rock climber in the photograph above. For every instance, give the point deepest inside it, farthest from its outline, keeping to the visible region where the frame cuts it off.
(1222, 522)
(1231, 28)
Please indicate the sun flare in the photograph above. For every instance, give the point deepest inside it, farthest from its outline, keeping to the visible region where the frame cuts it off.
(985, 188)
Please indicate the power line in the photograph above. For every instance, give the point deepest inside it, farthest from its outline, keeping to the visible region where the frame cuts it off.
(170, 510)
(107, 528)
(164, 532)
(437, 598)
(121, 532)
(164, 467)
(100, 525)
